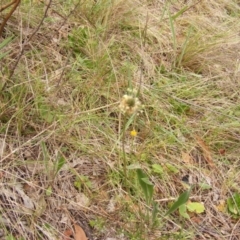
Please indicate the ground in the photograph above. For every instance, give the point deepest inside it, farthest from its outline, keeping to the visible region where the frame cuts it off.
(120, 118)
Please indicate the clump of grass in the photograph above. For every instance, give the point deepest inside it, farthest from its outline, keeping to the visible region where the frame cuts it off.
(68, 136)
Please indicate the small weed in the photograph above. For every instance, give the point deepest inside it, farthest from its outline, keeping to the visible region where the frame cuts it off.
(82, 182)
(98, 224)
(233, 205)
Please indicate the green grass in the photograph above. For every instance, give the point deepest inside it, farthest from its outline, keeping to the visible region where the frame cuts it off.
(67, 153)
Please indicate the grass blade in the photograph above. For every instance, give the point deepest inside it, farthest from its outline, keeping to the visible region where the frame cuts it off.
(5, 42)
(60, 163)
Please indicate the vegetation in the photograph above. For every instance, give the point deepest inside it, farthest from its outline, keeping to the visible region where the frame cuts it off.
(120, 118)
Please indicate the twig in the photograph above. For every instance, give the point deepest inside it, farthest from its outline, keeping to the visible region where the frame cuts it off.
(7, 5)
(67, 17)
(63, 71)
(9, 14)
(27, 41)
(144, 33)
(173, 199)
(28, 141)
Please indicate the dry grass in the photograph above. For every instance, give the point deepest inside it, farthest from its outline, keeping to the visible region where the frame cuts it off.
(61, 85)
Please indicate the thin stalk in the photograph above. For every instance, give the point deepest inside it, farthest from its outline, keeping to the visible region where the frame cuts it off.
(124, 152)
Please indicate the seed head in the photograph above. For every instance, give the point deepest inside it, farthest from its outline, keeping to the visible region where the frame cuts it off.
(130, 104)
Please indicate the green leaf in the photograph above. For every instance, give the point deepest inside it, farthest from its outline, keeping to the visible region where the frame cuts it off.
(155, 211)
(172, 168)
(45, 151)
(204, 186)
(196, 207)
(233, 204)
(10, 237)
(49, 191)
(141, 175)
(146, 185)
(182, 199)
(183, 211)
(232, 208)
(45, 111)
(179, 13)
(46, 114)
(146, 180)
(82, 181)
(157, 169)
(134, 166)
(78, 184)
(60, 163)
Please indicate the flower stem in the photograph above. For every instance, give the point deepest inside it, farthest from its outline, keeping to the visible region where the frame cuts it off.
(124, 152)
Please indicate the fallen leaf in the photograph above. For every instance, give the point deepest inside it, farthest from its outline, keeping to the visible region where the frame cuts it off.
(27, 201)
(222, 151)
(67, 235)
(2, 174)
(40, 206)
(186, 158)
(221, 207)
(196, 219)
(196, 207)
(79, 233)
(206, 152)
(111, 205)
(82, 200)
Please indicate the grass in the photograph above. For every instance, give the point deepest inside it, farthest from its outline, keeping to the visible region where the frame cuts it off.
(67, 152)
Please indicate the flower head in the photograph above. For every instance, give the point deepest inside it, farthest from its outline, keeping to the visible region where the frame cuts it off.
(133, 133)
(130, 104)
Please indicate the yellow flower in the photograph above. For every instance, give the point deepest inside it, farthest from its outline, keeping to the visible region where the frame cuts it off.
(133, 133)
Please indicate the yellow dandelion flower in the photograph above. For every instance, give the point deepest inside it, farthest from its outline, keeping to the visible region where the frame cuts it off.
(133, 133)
